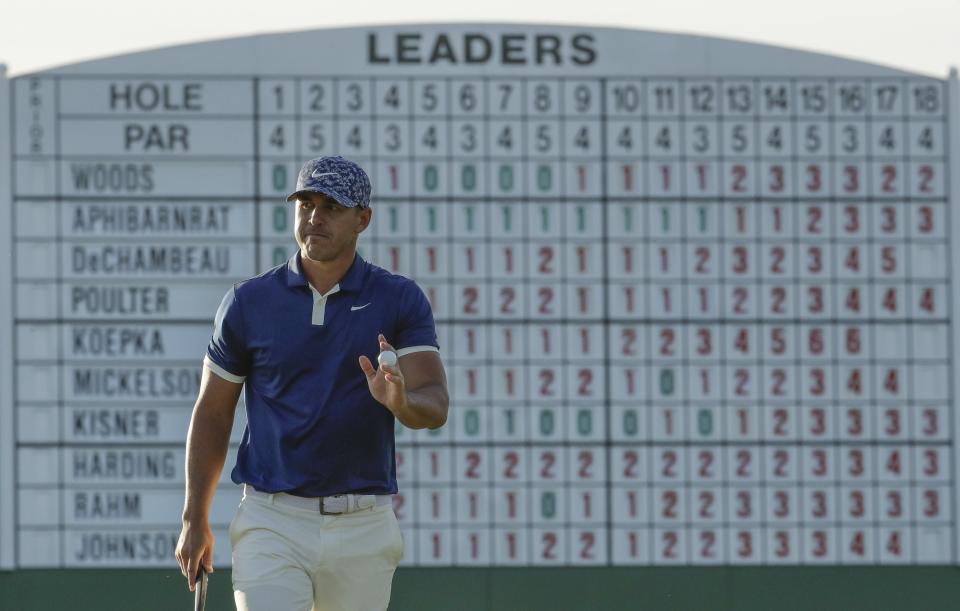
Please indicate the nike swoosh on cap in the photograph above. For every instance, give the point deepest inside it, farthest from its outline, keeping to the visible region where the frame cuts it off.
(315, 175)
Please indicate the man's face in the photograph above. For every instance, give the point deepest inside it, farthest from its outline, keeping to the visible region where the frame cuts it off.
(325, 230)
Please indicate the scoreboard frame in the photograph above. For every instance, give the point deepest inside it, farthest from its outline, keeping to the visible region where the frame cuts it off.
(380, 64)
(8, 433)
(953, 203)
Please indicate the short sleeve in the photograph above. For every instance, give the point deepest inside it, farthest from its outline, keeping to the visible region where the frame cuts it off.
(227, 353)
(416, 330)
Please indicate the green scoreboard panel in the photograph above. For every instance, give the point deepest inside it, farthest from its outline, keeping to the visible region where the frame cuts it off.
(695, 297)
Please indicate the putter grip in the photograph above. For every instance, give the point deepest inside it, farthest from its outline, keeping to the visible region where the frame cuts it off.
(200, 601)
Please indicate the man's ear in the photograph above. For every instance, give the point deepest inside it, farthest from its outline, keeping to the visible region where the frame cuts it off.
(366, 215)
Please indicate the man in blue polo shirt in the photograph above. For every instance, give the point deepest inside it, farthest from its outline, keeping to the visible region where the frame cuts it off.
(316, 528)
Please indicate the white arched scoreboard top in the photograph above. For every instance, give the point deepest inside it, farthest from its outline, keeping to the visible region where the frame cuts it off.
(695, 296)
(489, 49)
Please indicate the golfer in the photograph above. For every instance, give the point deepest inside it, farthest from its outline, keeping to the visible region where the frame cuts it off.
(316, 528)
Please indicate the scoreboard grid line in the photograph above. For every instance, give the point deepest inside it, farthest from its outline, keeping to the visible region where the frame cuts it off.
(873, 492)
(611, 526)
(725, 404)
(646, 401)
(448, 240)
(9, 510)
(908, 240)
(952, 196)
(227, 116)
(907, 255)
(566, 199)
(489, 444)
(440, 199)
(567, 489)
(166, 76)
(528, 357)
(765, 484)
(535, 443)
(682, 298)
(835, 358)
(58, 204)
(521, 321)
(794, 205)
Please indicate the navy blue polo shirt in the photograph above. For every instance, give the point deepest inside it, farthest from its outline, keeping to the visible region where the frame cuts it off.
(313, 428)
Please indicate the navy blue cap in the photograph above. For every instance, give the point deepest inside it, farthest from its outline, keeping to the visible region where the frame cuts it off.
(335, 177)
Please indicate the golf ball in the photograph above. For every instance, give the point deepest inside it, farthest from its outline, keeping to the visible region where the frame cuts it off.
(388, 358)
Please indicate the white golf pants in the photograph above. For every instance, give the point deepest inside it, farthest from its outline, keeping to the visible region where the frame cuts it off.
(288, 558)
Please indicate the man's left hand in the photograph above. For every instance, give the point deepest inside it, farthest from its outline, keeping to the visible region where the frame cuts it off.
(386, 383)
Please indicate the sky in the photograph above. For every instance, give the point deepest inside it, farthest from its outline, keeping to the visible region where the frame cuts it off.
(917, 35)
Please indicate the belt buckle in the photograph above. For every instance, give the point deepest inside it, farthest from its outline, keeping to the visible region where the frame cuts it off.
(323, 510)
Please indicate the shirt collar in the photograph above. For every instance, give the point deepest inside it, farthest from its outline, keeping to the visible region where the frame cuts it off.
(294, 277)
(351, 281)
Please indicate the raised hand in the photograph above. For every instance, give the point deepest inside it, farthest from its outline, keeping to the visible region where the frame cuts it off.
(386, 382)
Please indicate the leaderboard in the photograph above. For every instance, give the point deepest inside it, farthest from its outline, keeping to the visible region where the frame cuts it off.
(695, 297)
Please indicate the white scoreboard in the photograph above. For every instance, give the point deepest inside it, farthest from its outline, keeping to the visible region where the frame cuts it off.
(695, 297)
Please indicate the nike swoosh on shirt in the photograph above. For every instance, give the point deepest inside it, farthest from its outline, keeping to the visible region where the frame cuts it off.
(355, 308)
